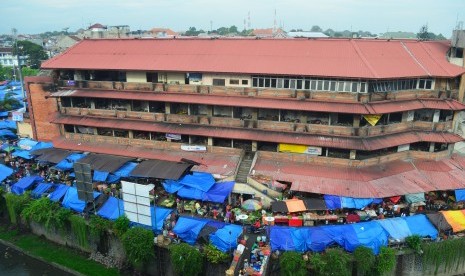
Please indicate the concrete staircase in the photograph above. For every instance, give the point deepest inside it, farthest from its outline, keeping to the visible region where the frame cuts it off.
(244, 168)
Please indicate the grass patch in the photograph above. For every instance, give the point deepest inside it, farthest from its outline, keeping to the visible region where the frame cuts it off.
(55, 253)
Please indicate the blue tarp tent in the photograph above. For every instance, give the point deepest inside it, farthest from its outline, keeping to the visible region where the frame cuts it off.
(332, 202)
(413, 198)
(460, 195)
(24, 183)
(172, 186)
(40, 189)
(100, 176)
(226, 238)
(218, 192)
(355, 203)
(7, 124)
(68, 163)
(71, 200)
(7, 133)
(22, 153)
(5, 172)
(124, 171)
(198, 180)
(112, 209)
(300, 239)
(27, 144)
(188, 229)
(42, 145)
(420, 225)
(59, 192)
(397, 228)
(159, 215)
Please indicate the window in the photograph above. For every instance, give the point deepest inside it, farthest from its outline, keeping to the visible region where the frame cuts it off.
(245, 82)
(267, 82)
(354, 86)
(219, 82)
(273, 83)
(363, 87)
(234, 82)
(332, 86)
(69, 128)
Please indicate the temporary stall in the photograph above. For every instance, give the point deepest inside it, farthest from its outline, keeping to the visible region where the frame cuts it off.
(59, 192)
(225, 238)
(112, 209)
(456, 219)
(188, 229)
(24, 184)
(41, 189)
(5, 171)
(71, 200)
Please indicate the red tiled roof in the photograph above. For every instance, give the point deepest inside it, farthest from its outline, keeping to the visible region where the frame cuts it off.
(370, 143)
(163, 30)
(342, 58)
(391, 179)
(290, 104)
(97, 26)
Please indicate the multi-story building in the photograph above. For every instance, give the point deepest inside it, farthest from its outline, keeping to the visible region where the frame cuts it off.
(327, 116)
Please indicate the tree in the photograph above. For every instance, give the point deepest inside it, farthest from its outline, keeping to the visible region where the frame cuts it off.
(27, 71)
(316, 28)
(186, 259)
(292, 263)
(424, 34)
(35, 53)
(233, 30)
(9, 103)
(6, 73)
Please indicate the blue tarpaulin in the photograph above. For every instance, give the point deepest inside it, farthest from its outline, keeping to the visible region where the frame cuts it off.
(59, 192)
(68, 163)
(7, 133)
(124, 171)
(397, 228)
(40, 189)
(42, 145)
(188, 229)
(27, 144)
(226, 238)
(217, 193)
(112, 209)
(5, 172)
(4, 114)
(355, 203)
(7, 124)
(24, 183)
(332, 202)
(100, 176)
(460, 195)
(71, 200)
(172, 186)
(198, 180)
(22, 153)
(420, 225)
(159, 215)
(300, 239)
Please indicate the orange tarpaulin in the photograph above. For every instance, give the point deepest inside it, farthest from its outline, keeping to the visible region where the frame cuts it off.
(295, 205)
(456, 219)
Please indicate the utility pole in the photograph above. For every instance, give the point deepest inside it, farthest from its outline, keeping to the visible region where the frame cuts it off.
(14, 31)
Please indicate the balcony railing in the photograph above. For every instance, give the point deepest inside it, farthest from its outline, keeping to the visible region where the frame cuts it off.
(260, 92)
(364, 131)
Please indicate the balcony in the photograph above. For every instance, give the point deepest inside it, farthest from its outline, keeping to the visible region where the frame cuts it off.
(347, 131)
(259, 92)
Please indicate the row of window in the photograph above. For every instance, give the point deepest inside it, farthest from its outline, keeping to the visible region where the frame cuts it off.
(339, 85)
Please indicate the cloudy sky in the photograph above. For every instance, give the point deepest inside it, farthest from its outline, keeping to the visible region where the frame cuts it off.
(376, 16)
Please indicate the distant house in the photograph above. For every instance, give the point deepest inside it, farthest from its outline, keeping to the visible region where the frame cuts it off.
(162, 32)
(399, 35)
(269, 33)
(100, 31)
(8, 59)
(64, 42)
(307, 34)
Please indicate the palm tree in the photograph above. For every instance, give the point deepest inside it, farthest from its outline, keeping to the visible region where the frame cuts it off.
(9, 102)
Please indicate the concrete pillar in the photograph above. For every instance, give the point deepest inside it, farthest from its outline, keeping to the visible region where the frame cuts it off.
(254, 113)
(145, 106)
(92, 104)
(403, 148)
(168, 108)
(254, 146)
(332, 118)
(210, 141)
(303, 117)
(431, 146)
(408, 116)
(188, 109)
(209, 110)
(353, 154)
(436, 116)
(356, 122)
(130, 134)
(128, 106)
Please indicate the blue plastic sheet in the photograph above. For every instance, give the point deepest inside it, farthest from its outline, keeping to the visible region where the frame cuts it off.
(218, 192)
(172, 186)
(24, 183)
(332, 202)
(225, 238)
(397, 228)
(7, 133)
(420, 225)
(281, 239)
(22, 153)
(5, 171)
(355, 203)
(7, 124)
(41, 189)
(42, 145)
(68, 163)
(71, 200)
(159, 215)
(124, 171)
(112, 209)
(460, 195)
(59, 192)
(4, 114)
(199, 180)
(188, 229)
(27, 144)
(100, 176)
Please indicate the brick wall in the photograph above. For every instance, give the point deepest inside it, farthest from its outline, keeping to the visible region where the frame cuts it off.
(41, 109)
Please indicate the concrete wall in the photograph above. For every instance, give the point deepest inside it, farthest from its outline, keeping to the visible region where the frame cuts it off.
(25, 129)
(207, 79)
(136, 76)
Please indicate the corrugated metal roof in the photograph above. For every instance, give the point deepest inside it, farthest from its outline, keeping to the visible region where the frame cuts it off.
(377, 181)
(343, 58)
(104, 162)
(369, 143)
(276, 103)
(161, 169)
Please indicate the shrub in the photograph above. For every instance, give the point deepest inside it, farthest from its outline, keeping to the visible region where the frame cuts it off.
(98, 226)
(121, 225)
(414, 242)
(214, 255)
(15, 205)
(333, 262)
(79, 228)
(386, 260)
(364, 260)
(138, 244)
(186, 259)
(46, 212)
(448, 253)
(292, 263)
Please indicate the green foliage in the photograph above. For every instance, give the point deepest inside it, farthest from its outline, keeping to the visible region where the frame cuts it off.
(214, 255)
(138, 244)
(447, 253)
(414, 242)
(26, 71)
(9, 102)
(364, 260)
(386, 260)
(186, 259)
(46, 212)
(333, 262)
(98, 226)
(292, 263)
(15, 205)
(121, 225)
(35, 53)
(79, 228)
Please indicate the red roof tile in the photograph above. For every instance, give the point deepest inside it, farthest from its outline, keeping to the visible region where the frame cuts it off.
(290, 104)
(342, 58)
(370, 143)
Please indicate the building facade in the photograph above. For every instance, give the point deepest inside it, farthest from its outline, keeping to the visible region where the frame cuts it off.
(329, 102)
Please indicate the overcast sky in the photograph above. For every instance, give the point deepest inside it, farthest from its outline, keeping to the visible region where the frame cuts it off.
(376, 16)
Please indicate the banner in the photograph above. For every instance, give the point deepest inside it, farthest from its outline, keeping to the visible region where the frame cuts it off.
(173, 136)
(372, 119)
(17, 116)
(136, 199)
(300, 149)
(193, 148)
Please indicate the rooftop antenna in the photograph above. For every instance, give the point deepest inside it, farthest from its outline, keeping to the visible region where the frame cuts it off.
(211, 26)
(274, 22)
(248, 23)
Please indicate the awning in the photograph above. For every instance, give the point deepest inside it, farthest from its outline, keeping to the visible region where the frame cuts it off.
(297, 205)
(161, 169)
(439, 221)
(315, 204)
(104, 162)
(5, 172)
(51, 155)
(24, 183)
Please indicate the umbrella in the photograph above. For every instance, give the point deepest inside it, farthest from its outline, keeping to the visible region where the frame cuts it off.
(251, 205)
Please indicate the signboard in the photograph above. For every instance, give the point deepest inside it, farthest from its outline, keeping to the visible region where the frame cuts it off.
(300, 149)
(70, 83)
(193, 148)
(136, 199)
(372, 119)
(17, 116)
(84, 182)
(173, 136)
